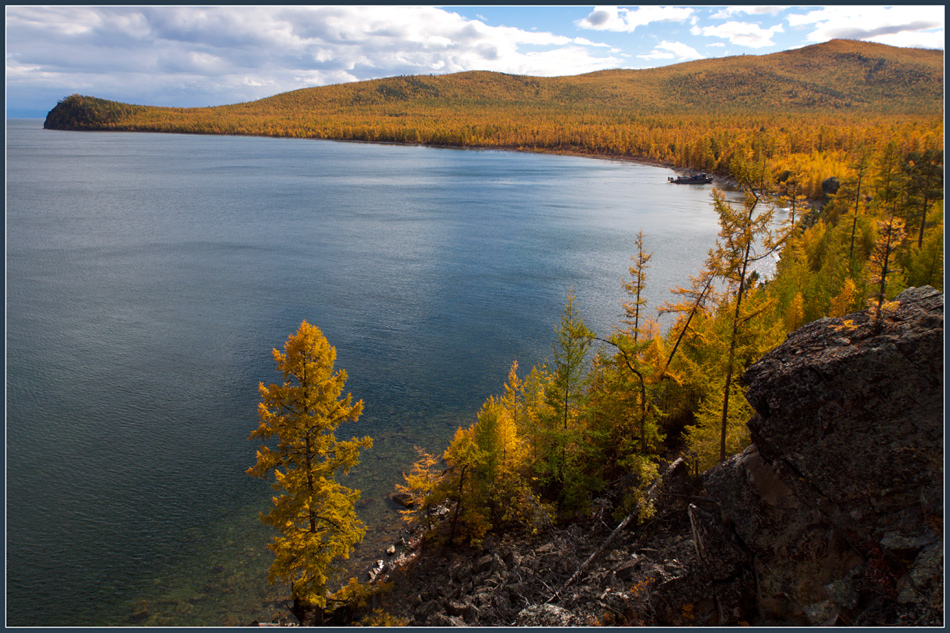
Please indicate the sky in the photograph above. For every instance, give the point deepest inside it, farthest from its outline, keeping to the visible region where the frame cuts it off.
(189, 56)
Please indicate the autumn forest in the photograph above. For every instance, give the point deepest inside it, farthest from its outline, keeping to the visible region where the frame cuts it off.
(847, 137)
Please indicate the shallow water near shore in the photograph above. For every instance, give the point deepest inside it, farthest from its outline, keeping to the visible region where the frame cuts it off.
(149, 276)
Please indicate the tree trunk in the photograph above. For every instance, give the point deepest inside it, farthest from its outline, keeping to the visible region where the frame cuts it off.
(732, 344)
(458, 504)
(310, 489)
(923, 222)
(854, 224)
(882, 290)
(692, 312)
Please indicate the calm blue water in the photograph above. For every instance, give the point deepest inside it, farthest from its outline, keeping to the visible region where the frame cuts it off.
(149, 276)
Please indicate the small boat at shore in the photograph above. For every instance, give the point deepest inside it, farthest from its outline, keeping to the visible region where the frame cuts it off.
(697, 179)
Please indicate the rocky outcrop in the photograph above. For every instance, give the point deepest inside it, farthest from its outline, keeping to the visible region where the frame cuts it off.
(839, 500)
(830, 186)
(840, 497)
(856, 411)
(834, 514)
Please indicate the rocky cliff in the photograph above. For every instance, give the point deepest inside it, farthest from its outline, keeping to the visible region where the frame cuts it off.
(834, 515)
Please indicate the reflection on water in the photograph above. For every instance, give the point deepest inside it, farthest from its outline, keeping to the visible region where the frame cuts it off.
(150, 275)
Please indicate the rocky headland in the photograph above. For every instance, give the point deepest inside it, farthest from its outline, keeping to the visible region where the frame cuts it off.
(833, 515)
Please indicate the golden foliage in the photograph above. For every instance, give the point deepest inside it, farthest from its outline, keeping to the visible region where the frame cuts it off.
(420, 485)
(381, 618)
(805, 111)
(314, 514)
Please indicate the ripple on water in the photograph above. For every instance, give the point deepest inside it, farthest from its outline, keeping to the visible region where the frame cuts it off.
(149, 276)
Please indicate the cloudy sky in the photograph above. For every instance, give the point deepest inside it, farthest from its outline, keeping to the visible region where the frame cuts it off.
(214, 55)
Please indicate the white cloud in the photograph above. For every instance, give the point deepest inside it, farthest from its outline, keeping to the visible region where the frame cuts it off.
(740, 33)
(729, 12)
(187, 56)
(673, 51)
(627, 20)
(320, 78)
(583, 41)
(913, 26)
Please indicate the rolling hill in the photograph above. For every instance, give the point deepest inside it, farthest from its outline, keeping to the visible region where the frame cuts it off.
(693, 114)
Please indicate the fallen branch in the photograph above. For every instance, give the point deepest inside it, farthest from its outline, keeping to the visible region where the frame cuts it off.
(647, 498)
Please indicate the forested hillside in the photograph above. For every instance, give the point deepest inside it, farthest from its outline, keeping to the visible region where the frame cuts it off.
(846, 136)
(807, 109)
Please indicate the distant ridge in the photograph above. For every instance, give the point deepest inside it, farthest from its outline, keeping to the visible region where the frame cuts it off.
(651, 113)
(835, 74)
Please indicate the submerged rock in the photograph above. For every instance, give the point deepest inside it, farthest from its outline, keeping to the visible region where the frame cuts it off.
(402, 499)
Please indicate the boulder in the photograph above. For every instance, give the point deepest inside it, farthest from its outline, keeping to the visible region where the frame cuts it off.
(839, 496)
(853, 413)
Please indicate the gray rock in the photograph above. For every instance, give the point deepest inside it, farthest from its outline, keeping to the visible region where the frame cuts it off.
(830, 186)
(823, 613)
(924, 584)
(441, 619)
(501, 602)
(843, 593)
(462, 609)
(483, 564)
(427, 610)
(627, 569)
(862, 416)
(544, 615)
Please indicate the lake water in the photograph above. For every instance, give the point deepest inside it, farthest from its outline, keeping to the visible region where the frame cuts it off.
(149, 276)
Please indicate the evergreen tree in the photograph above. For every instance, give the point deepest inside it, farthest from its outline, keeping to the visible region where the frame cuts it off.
(924, 265)
(861, 167)
(496, 440)
(696, 298)
(704, 437)
(792, 194)
(459, 486)
(570, 352)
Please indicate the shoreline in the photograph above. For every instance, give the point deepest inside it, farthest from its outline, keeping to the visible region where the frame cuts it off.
(639, 160)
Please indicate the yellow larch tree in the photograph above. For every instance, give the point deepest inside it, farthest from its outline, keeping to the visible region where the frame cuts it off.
(745, 237)
(314, 513)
